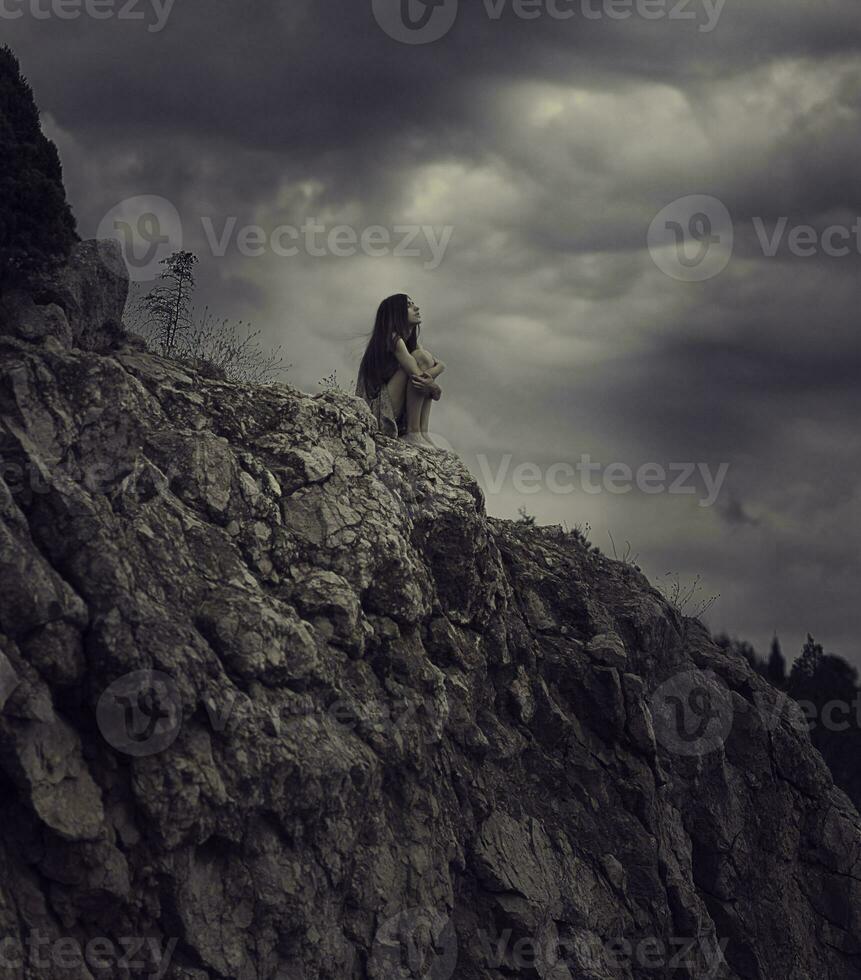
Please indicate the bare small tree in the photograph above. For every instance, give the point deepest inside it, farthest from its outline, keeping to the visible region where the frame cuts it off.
(525, 518)
(164, 317)
(164, 313)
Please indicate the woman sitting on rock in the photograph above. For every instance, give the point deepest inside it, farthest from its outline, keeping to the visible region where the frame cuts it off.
(396, 376)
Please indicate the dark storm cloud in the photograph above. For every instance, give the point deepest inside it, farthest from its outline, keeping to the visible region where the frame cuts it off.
(323, 90)
(548, 147)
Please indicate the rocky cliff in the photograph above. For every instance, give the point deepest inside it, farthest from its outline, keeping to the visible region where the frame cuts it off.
(280, 700)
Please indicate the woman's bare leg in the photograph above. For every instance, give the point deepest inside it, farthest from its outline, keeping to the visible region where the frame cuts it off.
(417, 402)
(426, 407)
(397, 385)
(424, 359)
(414, 408)
(400, 390)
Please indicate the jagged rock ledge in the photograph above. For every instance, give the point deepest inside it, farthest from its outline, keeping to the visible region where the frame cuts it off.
(386, 726)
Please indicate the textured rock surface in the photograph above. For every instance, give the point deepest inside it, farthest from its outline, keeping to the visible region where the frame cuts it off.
(377, 733)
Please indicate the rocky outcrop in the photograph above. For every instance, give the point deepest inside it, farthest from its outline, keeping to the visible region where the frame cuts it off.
(280, 700)
(80, 305)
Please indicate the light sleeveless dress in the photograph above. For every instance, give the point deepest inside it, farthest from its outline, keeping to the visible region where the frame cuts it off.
(382, 409)
(380, 403)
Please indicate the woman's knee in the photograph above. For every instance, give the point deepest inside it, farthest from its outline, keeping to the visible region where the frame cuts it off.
(423, 357)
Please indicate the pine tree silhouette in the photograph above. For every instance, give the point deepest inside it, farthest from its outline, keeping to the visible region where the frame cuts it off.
(807, 664)
(776, 671)
(37, 227)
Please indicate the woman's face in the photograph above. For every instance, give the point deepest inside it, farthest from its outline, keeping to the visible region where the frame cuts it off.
(413, 313)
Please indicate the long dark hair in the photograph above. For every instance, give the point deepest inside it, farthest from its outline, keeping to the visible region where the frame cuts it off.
(379, 356)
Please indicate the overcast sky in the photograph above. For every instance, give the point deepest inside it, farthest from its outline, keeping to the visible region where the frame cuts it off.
(607, 201)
